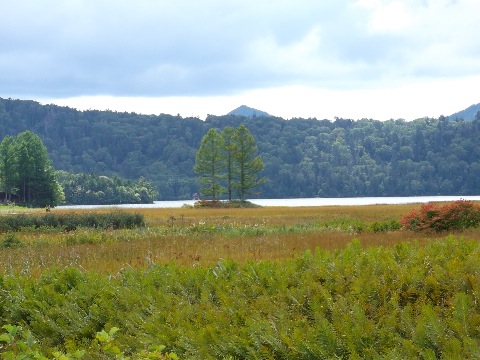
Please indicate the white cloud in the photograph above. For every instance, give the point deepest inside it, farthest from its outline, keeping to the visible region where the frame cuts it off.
(298, 58)
(191, 53)
(411, 101)
(388, 15)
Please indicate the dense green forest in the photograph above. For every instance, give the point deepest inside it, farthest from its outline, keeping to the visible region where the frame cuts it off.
(303, 157)
(26, 172)
(92, 189)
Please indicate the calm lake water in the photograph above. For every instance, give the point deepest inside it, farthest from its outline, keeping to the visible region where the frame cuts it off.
(294, 202)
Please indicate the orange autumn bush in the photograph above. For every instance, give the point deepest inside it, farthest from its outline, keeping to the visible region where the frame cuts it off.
(433, 217)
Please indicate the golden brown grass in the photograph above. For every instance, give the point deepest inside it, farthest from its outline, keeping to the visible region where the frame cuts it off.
(167, 239)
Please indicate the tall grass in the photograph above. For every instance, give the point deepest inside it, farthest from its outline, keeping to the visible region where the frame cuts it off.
(201, 237)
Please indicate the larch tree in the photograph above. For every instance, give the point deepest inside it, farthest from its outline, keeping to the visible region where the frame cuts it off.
(210, 164)
(227, 134)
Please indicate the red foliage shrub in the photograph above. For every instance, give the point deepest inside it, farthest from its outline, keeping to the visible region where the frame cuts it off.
(433, 217)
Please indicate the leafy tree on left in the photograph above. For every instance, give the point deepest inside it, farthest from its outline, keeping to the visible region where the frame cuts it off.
(26, 171)
(8, 167)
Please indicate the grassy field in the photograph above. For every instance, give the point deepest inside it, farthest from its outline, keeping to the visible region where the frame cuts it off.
(200, 237)
(261, 283)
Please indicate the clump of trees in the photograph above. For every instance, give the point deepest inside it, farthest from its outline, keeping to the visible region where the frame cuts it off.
(433, 217)
(227, 162)
(92, 189)
(26, 172)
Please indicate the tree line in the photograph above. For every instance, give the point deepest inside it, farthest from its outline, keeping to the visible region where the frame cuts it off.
(302, 157)
(93, 189)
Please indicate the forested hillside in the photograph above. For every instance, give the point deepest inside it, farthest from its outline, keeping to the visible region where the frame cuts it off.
(303, 157)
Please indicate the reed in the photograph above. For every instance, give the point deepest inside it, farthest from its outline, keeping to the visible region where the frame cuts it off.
(200, 237)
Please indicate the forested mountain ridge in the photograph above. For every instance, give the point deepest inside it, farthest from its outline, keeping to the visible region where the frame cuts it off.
(303, 157)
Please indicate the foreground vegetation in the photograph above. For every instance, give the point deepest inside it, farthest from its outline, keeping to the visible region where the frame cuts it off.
(333, 282)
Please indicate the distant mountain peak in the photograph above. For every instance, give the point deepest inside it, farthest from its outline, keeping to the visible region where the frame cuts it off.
(248, 112)
(467, 114)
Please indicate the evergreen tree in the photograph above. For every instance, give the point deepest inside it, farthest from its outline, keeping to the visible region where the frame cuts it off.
(36, 180)
(248, 164)
(8, 166)
(210, 164)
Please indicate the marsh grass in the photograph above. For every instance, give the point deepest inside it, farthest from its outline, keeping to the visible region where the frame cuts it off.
(15, 209)
(257, 283)
(200, 237)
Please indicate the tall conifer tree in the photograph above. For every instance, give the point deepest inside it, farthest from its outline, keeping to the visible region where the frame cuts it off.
(210, 164)
(227, 134)
(248, 164)
(8, 166)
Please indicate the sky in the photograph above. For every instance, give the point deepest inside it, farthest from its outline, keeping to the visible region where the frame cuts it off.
(376, 59)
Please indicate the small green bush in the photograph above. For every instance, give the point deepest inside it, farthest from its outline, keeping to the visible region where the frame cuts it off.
(387, 225)
(433, 217)
(11, 241)
(70, 222)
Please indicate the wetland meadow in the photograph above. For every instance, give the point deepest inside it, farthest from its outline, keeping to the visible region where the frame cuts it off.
(324, 282)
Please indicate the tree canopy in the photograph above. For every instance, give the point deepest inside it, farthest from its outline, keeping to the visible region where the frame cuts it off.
(210, 164)
(246, 163)
(229, 157)
(27, 177)
(92, 189)
(26, 171)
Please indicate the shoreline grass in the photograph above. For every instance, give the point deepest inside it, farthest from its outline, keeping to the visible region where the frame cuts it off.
(201, 237)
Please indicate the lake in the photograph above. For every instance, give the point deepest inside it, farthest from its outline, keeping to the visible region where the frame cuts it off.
(293, 202)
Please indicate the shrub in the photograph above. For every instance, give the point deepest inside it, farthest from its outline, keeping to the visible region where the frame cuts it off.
(433, 217)
(387, 225)
(224, 204)
(18, 343)
(11, 242)
(69, 222)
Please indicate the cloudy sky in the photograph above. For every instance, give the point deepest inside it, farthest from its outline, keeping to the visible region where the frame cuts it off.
(377, 59)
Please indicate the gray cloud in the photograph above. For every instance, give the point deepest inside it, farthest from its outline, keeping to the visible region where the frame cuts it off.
(55, 48)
